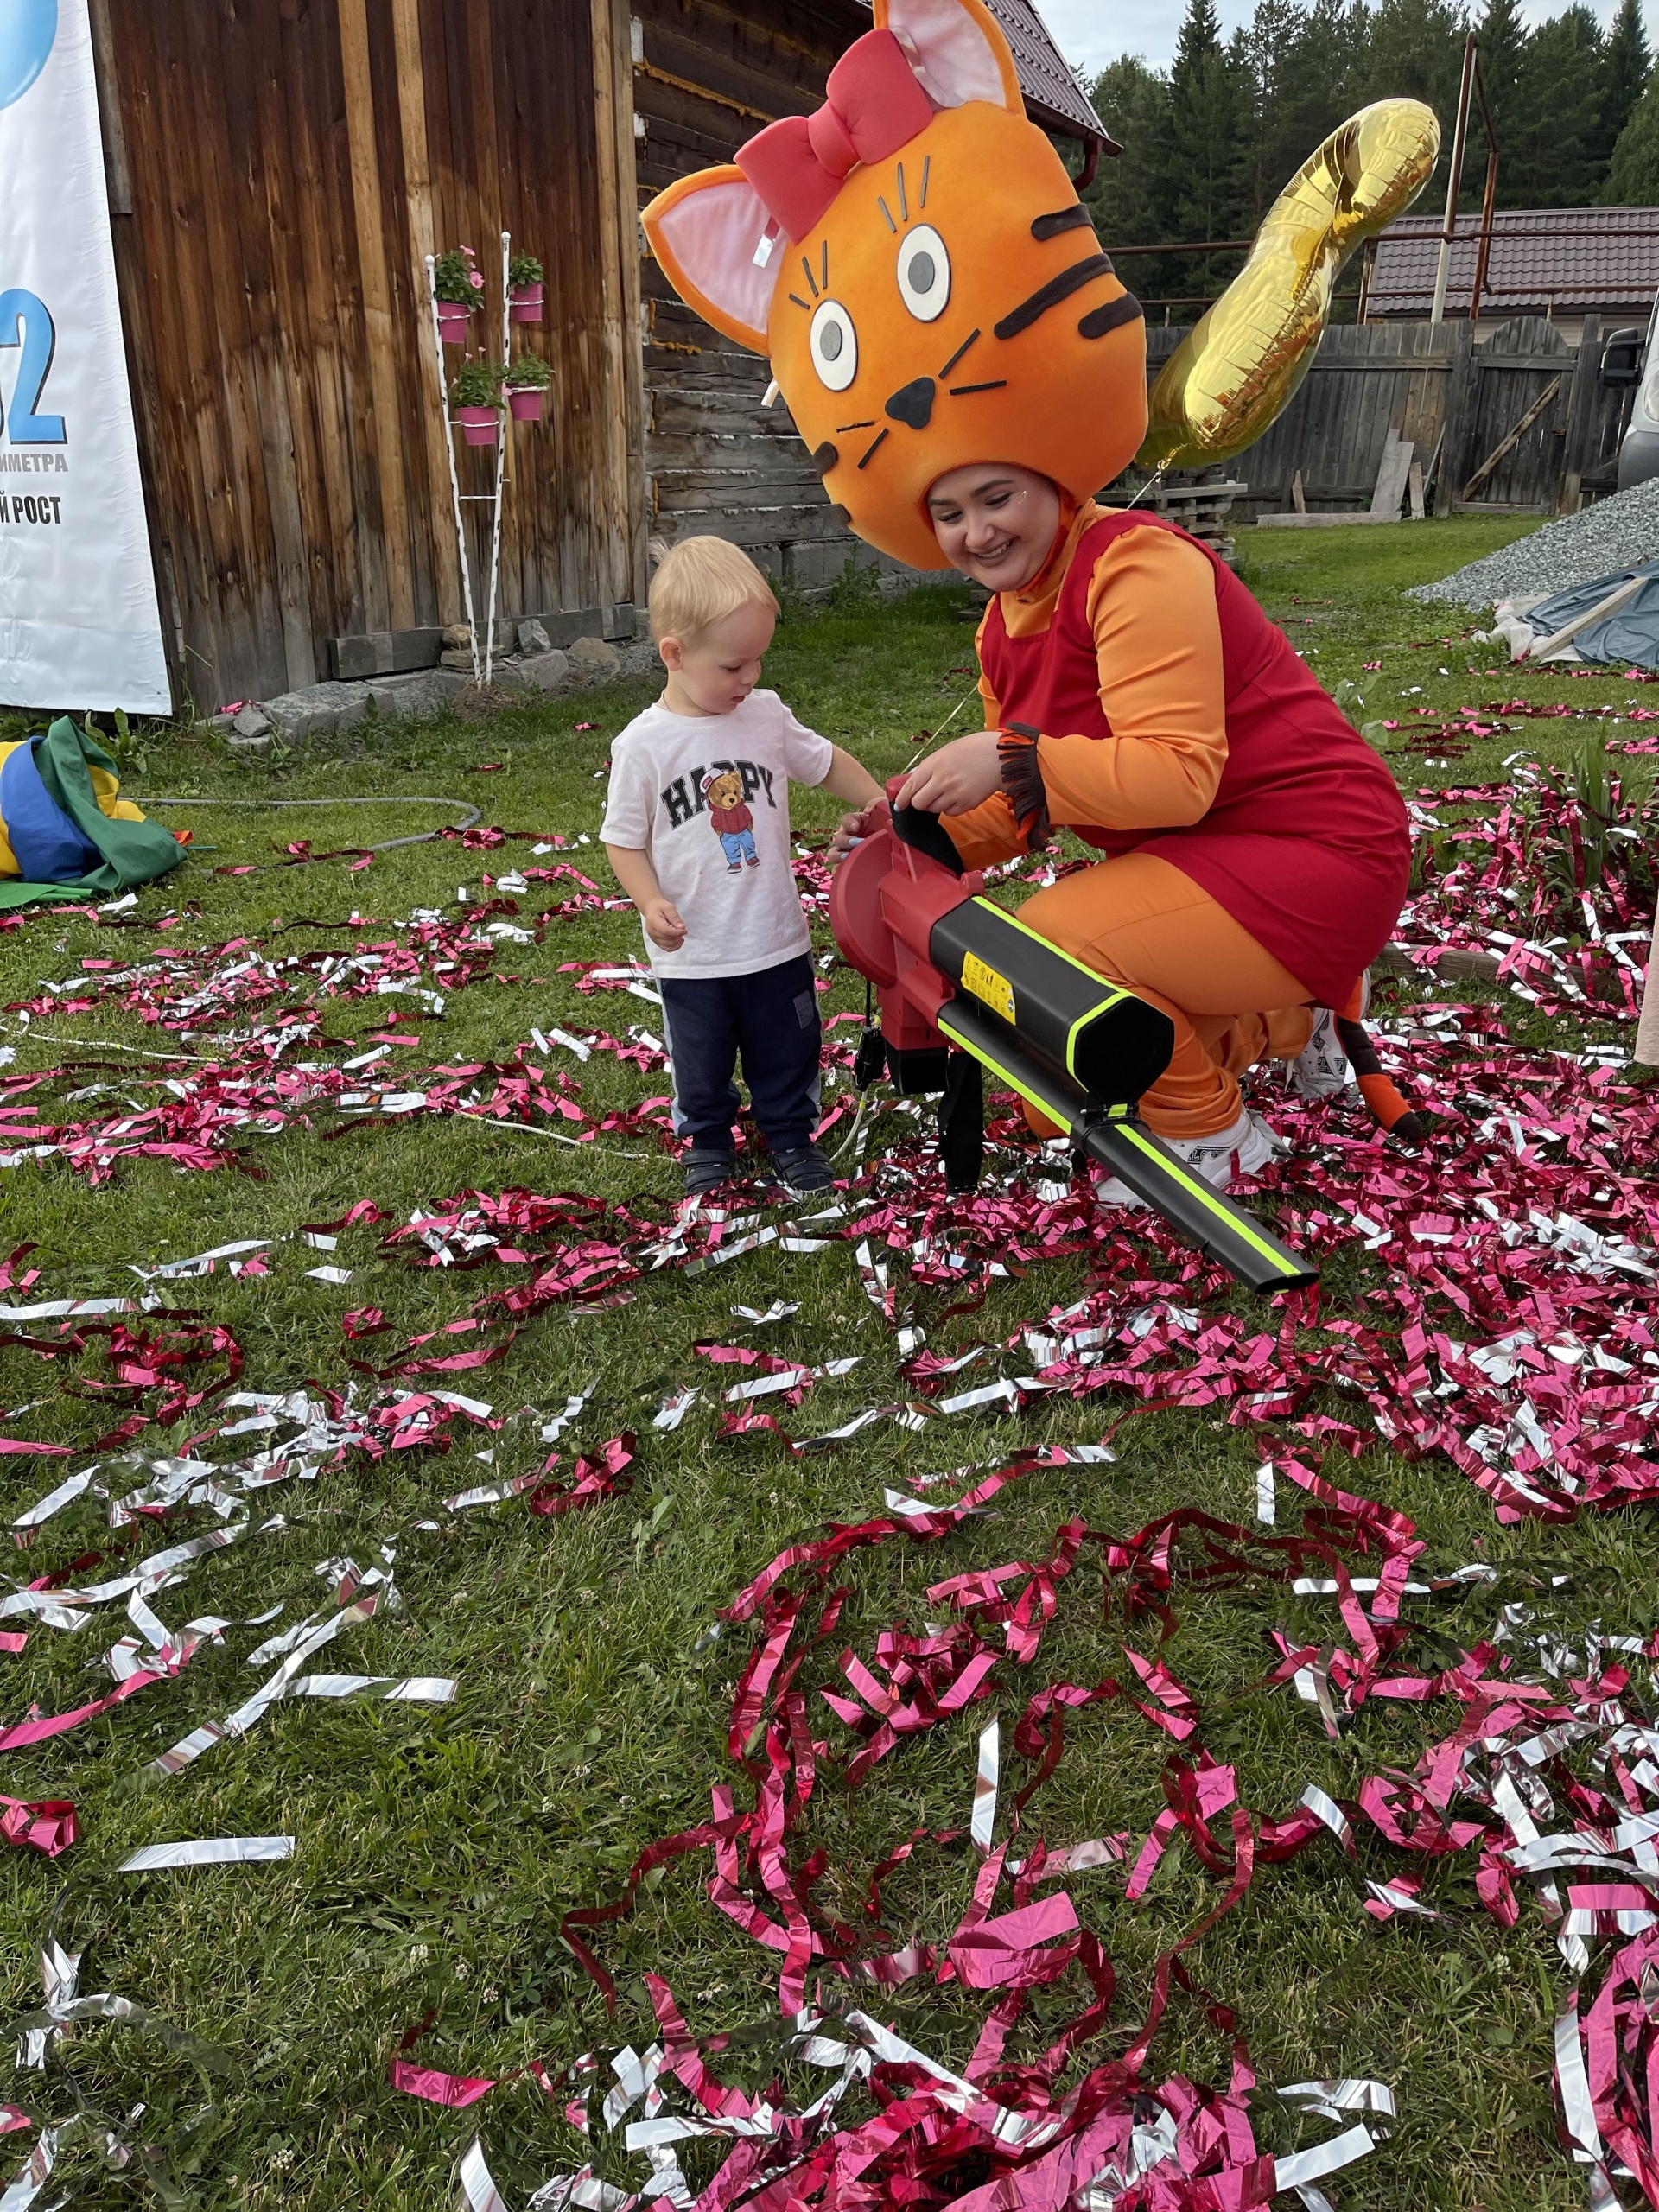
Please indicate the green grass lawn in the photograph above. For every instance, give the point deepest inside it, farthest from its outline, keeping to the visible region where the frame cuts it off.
(438, 1845)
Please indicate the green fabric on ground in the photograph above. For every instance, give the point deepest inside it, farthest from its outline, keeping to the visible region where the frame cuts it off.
(134, 852)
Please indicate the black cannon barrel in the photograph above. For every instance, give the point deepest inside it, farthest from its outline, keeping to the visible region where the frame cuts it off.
(1083, 1029)
(1206, 1217)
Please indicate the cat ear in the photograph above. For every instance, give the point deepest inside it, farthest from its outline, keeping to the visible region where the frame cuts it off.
(957, 50)
(716, 242)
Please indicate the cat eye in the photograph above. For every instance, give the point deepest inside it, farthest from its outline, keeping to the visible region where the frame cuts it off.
(923, 273)
(833, 345)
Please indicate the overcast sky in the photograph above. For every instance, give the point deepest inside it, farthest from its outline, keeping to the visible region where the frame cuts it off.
(1094, 32)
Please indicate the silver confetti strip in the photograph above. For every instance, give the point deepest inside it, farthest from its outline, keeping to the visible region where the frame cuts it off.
(213, 1851)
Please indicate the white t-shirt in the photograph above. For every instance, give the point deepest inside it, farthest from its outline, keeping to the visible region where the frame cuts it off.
(706, 796)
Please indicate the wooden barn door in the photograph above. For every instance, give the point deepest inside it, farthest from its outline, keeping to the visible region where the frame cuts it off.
(285, 166)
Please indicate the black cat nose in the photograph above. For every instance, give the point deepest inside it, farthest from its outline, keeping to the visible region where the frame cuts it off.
(912, 403)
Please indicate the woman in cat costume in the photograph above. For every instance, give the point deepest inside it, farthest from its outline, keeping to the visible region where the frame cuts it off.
(956, 352)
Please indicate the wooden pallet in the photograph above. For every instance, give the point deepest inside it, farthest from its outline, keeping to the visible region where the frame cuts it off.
(1202, 509)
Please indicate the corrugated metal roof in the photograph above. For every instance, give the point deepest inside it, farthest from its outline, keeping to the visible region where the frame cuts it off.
(1044, 77)
(1569, 261)
(1054, 97)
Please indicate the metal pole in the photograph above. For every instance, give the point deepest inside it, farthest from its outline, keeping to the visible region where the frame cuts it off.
(500, 462)
(1483, 252)
(1453, 182)
(449, 442)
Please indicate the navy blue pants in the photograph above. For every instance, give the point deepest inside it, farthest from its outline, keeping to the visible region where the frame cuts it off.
(771, 1019)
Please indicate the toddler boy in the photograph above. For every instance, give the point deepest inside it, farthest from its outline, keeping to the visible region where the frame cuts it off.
(696, 827)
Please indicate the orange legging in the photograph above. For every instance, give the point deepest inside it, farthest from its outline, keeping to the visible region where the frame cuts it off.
(1142, 923)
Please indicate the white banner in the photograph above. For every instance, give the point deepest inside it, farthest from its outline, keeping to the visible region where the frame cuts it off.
(79, 621)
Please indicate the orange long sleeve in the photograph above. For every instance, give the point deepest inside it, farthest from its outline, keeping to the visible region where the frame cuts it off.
(1152, 609)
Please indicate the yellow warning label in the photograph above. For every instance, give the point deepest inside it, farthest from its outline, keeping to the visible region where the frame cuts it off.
(996, 991)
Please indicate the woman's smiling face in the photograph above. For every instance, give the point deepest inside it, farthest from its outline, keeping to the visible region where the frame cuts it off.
(995, 522)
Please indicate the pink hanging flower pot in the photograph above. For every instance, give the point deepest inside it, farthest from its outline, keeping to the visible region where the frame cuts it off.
(480, 426)
(525, 275)
(525, 406)
(452, 322)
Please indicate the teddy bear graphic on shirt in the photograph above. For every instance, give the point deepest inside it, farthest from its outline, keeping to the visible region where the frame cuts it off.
(731, 820)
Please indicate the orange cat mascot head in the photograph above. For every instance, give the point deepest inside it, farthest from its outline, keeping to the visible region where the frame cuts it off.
(916, 262)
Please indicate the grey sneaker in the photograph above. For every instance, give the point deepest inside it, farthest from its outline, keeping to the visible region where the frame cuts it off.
(1321, 1069)
(707, 1171)
(804, 1170)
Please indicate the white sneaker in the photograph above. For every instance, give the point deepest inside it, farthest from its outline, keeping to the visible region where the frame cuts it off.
(1321, 1067)
(1245, 1149)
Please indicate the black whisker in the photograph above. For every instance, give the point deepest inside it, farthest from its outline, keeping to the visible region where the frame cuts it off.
(799, 302)
(810, 279)
(1075, 218)
(882, 204)
(904, 205)
(826, 264)
(957, 355)
(874, 449)
(869, 425)
(1048, 295)
(996, 384)
(1112, 316)
(927, 163)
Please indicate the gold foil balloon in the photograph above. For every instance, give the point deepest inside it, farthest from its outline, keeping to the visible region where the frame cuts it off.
(1233, 373)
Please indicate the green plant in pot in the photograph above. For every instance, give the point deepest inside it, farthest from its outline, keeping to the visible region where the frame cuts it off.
(525, 275)
(475, 402)
(457, 286)
(525, 382)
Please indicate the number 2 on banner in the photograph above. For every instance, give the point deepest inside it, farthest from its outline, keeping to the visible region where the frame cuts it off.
(26, 321)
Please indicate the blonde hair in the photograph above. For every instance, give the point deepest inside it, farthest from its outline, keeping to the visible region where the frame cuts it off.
(699, 583)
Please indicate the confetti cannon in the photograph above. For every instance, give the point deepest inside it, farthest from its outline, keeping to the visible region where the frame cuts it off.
(952, 970)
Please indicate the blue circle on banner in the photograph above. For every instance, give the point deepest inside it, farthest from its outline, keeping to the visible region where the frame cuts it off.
(28, 28)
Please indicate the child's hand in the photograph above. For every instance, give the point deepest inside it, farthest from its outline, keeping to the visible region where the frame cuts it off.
(849, 831)
(663, 925)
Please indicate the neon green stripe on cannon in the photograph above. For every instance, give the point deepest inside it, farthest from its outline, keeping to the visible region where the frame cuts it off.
(1196, 1187)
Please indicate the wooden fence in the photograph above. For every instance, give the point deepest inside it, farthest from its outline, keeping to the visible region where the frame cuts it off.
(1517, 423)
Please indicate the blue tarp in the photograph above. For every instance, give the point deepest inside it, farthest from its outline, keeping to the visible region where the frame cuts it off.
(1630, 636)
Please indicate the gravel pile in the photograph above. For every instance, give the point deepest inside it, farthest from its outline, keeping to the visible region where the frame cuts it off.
(1622, 532)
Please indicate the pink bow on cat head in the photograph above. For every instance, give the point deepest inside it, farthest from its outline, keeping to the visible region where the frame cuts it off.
(873, 104)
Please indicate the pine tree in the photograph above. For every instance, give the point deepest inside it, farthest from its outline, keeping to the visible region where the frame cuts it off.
(1134, 105)
(1413, 48)
(1547, 154)
(1201, 186)
(1502, 36)
(1633, 176)
(1624, 75)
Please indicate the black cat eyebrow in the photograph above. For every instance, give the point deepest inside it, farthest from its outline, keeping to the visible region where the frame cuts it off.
(1074, 217)
(810, 279)
(904, 205)
(996, 384)
(957, 355)
(1112, 316)
(841, 428)
(1048, 295)
(882, 204)
(874, 447)
(927, 163)
(826, 264)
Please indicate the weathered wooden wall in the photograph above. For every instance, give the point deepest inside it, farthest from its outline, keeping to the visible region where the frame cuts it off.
(1448, 396)
(707, 75)
(279, 170)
